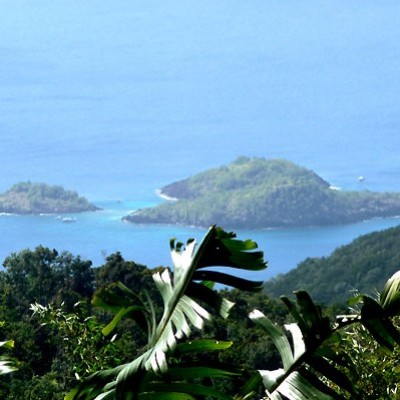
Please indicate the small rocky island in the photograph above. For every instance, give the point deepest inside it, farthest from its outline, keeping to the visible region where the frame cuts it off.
(40, 198)
(256, 193)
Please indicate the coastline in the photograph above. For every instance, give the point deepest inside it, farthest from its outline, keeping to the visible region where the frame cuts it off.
(162, 195)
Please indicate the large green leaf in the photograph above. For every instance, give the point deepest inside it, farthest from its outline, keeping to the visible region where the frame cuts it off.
(202, 345)
(374, 318)
(310, 351)
(297, 387)
(6, 365)
(315, 350)
(277, 336)
(390, 295)
(188, 300)
(292, 381)
(226, 251)
(120, 300)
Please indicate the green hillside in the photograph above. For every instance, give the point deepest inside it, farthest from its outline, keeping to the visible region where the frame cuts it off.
(362, 265)
(261, 193)
(36, 198)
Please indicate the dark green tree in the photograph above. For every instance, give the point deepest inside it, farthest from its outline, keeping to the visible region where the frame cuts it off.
(42, 276)
(314, 363)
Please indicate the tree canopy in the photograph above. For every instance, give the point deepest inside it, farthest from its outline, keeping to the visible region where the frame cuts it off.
(261, 193)
(125, 332)
(35, 198)
(362, 265)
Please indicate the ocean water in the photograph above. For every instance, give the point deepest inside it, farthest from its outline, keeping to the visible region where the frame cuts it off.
(116, 100)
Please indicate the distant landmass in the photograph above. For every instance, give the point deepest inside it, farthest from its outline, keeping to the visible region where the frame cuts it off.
(363, 265)
(260, 193)
(40, 198)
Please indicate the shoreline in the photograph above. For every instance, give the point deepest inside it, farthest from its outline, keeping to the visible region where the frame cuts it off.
(160, 194)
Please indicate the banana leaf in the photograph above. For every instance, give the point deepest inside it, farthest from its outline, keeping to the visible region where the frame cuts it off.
(189, 301)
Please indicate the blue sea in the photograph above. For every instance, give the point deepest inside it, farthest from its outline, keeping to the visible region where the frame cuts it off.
(115, 100)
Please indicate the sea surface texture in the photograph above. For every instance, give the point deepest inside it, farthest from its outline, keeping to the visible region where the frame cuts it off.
(115, 100)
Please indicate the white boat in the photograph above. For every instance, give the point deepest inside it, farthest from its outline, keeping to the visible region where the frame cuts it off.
(68, 219)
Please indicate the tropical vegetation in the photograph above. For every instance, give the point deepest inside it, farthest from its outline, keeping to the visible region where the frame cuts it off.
(172, 334)
(37, 198)
(362, 265)
(261, 193)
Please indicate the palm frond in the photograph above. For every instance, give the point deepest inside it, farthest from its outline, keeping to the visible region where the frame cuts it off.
(7, 365)
(309, 354)
(313, 357)
(189, 301)
(122, 302)
(375, 318)
(390, 295)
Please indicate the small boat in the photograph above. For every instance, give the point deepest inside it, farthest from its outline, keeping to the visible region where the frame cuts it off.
(68, 219)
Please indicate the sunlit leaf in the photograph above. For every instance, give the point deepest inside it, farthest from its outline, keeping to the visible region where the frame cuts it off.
(308, 352)
(277, 336)
(202, 345)
(390, 296)
(374, 318)
(6, 365)
(188, 302)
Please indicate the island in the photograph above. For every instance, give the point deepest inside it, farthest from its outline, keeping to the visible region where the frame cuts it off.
(255, 193)
(39, 198)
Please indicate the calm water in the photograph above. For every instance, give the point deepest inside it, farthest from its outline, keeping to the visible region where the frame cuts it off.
(98, 234)
(116, 100)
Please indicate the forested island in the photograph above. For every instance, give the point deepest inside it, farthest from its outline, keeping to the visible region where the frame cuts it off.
(41, 198)
(259, 193)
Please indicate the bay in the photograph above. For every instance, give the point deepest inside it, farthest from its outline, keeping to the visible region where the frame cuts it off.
(96, 235)
(117, 100)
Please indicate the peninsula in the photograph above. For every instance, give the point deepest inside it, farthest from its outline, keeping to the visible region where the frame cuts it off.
(361, 265)
(254, 193)
(40, 198)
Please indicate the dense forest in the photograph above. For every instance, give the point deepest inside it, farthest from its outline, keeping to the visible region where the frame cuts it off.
(69, 320)
(40, 198)
(261, 193)
(56, 348)
(362, 265)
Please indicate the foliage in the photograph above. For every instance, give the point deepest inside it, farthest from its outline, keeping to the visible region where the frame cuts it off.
(244, 172)
(260, 193)
(47, 276)
(135, 276)
(185, 294)
(44, 275)
(44, 387)
(35, 198)
(164, 334)
(315, 363)
(378, 369)
(84, 348)
(362, 265)
(7, 365)
(317, 351)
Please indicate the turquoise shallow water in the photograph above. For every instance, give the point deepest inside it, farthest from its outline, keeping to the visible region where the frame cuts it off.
(98, 234)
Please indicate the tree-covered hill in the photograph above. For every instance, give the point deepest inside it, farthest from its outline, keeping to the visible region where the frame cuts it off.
(72, 329)
(261, 193)
(52, 355)
(362, 265)
(36, 198)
